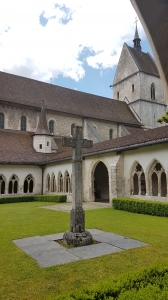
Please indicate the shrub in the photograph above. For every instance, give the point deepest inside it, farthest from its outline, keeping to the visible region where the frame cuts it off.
(147, 284)
(141, 206)
(40, 198)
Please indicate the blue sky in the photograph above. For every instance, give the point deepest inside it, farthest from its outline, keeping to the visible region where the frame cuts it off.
(67, 42)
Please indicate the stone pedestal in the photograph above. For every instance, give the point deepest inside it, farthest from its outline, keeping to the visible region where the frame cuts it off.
(77, 235)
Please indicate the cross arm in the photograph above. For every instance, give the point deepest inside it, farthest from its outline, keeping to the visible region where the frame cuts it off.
(69, 142)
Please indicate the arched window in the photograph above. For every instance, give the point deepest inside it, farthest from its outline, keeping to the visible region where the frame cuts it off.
(110, 134)
(13, 185)
(1, 121)
(23, 123)
(28, 184)
(51, 127)
(152, 91)
(2, 184)
(118, 95)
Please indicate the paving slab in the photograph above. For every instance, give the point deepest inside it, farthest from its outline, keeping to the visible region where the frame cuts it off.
(54, 258)
(127, 243)
(47, 252)
(95, 250)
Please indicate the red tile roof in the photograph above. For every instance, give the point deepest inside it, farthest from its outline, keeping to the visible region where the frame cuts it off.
(23, 91)
(16, 146)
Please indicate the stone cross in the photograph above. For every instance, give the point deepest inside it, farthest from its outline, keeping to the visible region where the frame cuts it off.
(77, 220)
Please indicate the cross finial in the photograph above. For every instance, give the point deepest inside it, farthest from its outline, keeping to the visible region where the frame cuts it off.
(136, 20)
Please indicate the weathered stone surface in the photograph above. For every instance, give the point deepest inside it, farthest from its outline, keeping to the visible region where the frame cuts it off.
(77, 235)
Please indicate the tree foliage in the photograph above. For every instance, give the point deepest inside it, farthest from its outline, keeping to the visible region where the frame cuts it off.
(163, 119)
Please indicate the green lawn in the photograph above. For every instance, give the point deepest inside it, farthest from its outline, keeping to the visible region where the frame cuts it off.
(21, 277)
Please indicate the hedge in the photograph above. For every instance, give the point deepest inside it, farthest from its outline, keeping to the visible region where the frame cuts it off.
(148, 207)
(147, 284)
(40, 198)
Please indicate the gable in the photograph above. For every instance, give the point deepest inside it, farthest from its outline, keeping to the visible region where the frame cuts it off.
(126, 66)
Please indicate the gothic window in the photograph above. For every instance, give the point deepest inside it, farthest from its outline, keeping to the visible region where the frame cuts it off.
(23, 123)
(2, 184)
(118, 95)
(157, 180)
(13, 185)
(28, 184)
(51, 127)
(110, 134)
(152, 91)
(138, 180)
(1, 121)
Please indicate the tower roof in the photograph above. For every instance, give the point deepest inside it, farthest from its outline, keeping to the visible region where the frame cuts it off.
(137, 41)
(42, 127)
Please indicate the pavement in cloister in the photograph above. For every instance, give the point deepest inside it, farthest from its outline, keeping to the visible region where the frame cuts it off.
(48, 252)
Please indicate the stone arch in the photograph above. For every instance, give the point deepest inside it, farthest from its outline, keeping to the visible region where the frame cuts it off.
(67, 184)
(137, 180)
(100, 182)
(157, 179)
(13, 184)
(28, 184)
(53, 183)
(2, 184)
(48, 183)
(60, 182)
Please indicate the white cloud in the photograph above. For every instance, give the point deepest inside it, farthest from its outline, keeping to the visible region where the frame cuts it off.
(44, 51)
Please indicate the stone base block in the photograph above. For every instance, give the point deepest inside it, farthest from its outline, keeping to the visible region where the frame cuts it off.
(77, 239)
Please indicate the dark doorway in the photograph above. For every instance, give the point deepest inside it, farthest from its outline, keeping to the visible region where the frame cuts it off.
(135, 183)
(101, 183)
(163, 185)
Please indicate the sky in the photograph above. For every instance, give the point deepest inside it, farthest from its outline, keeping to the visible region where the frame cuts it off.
(71, 43)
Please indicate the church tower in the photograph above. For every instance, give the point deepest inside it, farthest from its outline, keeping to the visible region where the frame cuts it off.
(43, 141)
(137, 82)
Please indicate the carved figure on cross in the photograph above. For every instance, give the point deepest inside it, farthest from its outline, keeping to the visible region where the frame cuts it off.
(77, 234)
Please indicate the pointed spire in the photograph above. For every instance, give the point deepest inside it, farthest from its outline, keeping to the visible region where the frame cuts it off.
(42, 127)
(137, 41)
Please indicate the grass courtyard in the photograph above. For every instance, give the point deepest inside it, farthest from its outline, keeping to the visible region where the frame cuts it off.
(20, 276)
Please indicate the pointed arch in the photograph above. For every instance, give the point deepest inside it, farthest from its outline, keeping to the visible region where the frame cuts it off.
(2, 184)
(157, 179)
(13, 184)
(48, 183)
(53, 183)
(66, 182)
(60, 182)
(28, 184)
(100, 182)
(137, 180)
